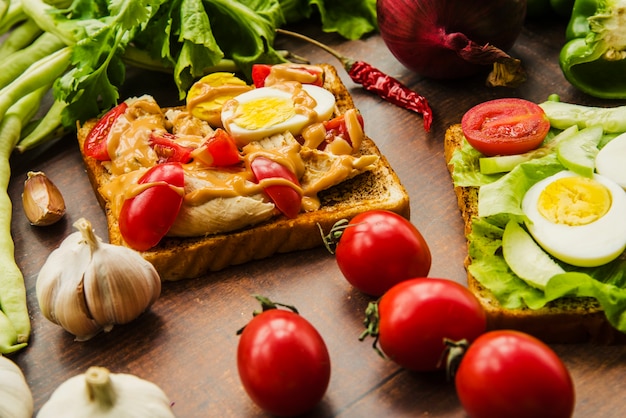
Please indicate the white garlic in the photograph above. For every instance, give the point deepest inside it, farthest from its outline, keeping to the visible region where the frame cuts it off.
(99, 394)
(87, 285)
(16, 399)
(42, 201)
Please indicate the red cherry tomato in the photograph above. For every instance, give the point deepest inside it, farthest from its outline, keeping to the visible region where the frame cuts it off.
(416, 316)
(286, 198)
(168, 150)
(283, 363)
(378, 249)
(146, 217)
(95, 145)
(222, 150)
(505, 126)
(512, 374)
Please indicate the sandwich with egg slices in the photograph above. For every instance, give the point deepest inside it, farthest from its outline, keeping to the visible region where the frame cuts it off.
(307, 131)
(560, 279)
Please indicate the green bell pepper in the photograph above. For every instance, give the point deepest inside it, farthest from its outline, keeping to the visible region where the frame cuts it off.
(594, 57)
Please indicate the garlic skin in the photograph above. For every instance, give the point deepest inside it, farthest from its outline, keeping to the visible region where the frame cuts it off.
(42, 201)
(87, 286)
(16, 399)
(100, 394)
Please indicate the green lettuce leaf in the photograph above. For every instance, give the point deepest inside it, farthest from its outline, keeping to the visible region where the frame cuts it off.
(500, 201)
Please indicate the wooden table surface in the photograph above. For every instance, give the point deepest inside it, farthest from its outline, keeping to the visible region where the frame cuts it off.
(186, 343)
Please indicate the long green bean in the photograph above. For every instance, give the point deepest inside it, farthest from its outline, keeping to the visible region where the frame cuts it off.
(14, 319)
(20, 37)
(41, 73)
(19, 61)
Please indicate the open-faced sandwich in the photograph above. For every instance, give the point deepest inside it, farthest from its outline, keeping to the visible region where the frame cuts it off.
(545, 218)
(240, 173)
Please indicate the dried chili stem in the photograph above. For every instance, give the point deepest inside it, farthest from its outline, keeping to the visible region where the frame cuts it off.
(376, 81)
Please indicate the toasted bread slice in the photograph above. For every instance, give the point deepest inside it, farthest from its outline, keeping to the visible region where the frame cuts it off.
(566, 320)
(181, 258)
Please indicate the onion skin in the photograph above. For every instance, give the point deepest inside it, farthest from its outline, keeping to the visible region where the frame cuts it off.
(428, 36)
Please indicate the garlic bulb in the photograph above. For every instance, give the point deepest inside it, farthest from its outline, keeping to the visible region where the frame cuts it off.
(99, 394)
(16, 399)
(87, 285)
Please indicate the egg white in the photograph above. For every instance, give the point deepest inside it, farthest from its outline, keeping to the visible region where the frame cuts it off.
(611, 160)
(324, 108)
(589, 245)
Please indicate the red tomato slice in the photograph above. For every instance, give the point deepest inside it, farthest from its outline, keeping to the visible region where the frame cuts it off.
(222, 150)
(146, 217)
(286, 198)
(336, 127)
(505, 126)
(95, 145)
(260, 73)
(168, 150)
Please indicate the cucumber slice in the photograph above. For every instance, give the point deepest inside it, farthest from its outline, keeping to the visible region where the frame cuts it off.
(506, 163)
(578, 153)
(527, 259)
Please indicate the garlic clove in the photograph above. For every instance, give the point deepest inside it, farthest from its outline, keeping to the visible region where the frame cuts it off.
(42, 201)
(119, 285)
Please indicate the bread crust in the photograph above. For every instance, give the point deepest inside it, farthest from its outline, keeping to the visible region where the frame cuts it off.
(566, 320)
(182, 258)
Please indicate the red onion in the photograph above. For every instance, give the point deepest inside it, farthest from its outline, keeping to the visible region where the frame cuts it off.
(446, 39)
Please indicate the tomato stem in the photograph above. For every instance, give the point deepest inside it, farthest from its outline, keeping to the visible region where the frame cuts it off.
(371, 322)
(334, 235)
(453, 354)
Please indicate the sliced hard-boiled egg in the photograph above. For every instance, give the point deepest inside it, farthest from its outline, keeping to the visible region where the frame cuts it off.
(611, 160)
(577, 219)
(266, 111)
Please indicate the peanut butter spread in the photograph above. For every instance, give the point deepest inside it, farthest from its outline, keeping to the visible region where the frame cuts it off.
(226, 198)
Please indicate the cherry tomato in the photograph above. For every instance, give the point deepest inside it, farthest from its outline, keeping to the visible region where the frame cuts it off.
(512, 374)
(283, 363)
(221, 149)
(95, 145)
(286, 198)
(146, 217)
(416, 316)
(505, 126)
(168, 150)
(378, 249)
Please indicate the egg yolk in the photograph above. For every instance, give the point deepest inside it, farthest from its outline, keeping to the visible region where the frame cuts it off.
(264, 112)
(574, 201)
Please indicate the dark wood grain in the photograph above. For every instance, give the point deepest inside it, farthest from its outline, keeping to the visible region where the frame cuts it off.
(186, 343)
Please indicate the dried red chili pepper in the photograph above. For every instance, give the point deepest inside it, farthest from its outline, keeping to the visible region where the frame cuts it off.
(376, 81)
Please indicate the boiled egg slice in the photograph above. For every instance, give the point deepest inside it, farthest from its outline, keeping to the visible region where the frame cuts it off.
(577, 219)
(265, 111)
(611, 160)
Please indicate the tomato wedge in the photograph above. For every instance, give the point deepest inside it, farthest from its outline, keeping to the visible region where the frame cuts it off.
(168, 150)
(261, 71)
(505, 126)
(286, 198)
(95, 145)
(219, 150)
(336, 127)
(146, 217)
